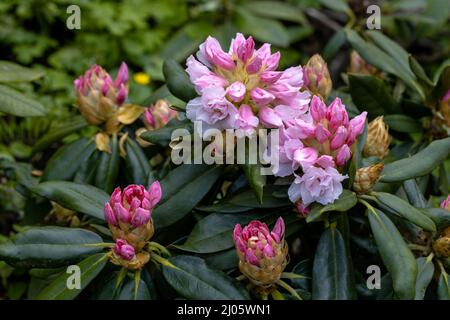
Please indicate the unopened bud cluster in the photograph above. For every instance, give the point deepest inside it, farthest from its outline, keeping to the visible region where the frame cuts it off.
(128, 214)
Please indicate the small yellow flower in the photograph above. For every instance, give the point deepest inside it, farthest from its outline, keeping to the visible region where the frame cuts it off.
(141, 78)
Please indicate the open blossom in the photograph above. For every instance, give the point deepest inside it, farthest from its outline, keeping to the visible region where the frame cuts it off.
(241, 77)
(446, 203)
(321, 138)
(99, 97)
(322, 185)
(124, 250)
(128, 213)
(262, 253)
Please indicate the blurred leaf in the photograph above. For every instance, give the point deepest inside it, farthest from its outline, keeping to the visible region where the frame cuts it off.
(262, 29)
(337, 5)
(402, 123)
(276, 10)
(371, 94)
(443, 290)
(15, 103)
(163, 136)
(11, 72)
(334, 44)
(76, 123)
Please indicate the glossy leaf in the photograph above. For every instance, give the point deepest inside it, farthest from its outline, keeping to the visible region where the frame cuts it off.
(183, 188)
(395, 254)
(79, 197)
(425, 271)
(419, 164)
(163, 136)
(108, 167)
(332, 278)
(58, 289)
(346, 201)
(193, 279)
(43, 247)
(405, 210)
(137, 164)
(177, 81)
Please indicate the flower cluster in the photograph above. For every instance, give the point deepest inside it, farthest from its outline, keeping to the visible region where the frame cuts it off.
(99, 97)
(128, 214)
(262, 254)
(319, 144)
(240, 88)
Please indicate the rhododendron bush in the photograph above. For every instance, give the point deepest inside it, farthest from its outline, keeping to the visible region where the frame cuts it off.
(346, 195)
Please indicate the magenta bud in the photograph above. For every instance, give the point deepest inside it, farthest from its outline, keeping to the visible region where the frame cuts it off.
(343, 155)
(322, 134)
(155, 193)
(261, 97)
(339, 138)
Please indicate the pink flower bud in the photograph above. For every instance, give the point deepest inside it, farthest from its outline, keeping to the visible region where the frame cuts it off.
(124, 250)
(243, 48)
(337, 115)
(339, 138)
(109, 215)
(356, 127)
(236, 91)
(301, 209)
(140, 217)
(261, 97)
(343, 155)
(278, 230)
(254, 66)
(446, 203)
(122, 76)
(318, 109)
(155, 193)
(322, 134)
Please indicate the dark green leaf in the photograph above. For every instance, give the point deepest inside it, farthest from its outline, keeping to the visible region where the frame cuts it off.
(193, 279)
(60, 132)
(346, 201)
(419, 164)
(395, 254)
(58, 289)
(64, 164)
(405, 210)
(425, 273)
(137, 163)
(79, 197)
(177, 81)
(332, 279)
(371, 94)
(443, 290)
(43, 247)
(163, 136)
(182, 189)
(255, 179)
(441, 217)
(108, 167)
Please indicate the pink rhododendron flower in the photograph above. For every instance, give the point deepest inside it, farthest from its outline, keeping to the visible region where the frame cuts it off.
(243, 76)
(317, 185)
(158, 115)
